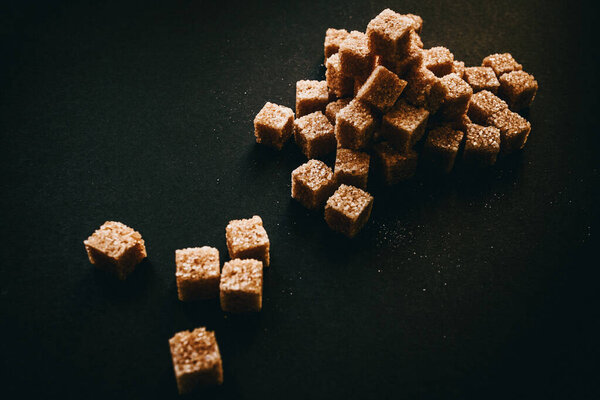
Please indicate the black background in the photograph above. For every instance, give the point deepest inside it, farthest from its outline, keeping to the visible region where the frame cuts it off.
(475, 285)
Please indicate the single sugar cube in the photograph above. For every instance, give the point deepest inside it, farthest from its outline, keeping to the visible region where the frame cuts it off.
(394, 166)
(453, 95)
(241, 285)
(518, 88)
(333, 39)
(438, 60)
(333, 108)
(441, 148)
(411, 56)
(311, 96)
(482, 78)
(417, 22)
(338, 83)
(483, 104)
(381, 89)
(354, 126)
(247, 238)
(419, 80)
(351, 168)
(501, 63)
(196, 359)
(482, 145)
(355, 56)
(388, 33)
(514, 130)
(348, 210)
(312, 184)
(314, 135)
(115, 248)
(197, 273)
(404, 125)
(274, 125)
(458, 68)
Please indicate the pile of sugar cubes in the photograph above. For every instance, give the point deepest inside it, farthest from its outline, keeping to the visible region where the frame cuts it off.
(386, 98)
(117, 248)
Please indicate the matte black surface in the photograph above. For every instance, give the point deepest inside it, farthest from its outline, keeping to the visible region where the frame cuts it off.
(478, 285)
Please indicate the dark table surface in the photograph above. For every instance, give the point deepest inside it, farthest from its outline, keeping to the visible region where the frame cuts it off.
(475, 285)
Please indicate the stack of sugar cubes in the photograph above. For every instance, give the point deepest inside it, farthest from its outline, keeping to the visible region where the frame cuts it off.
(386, 98)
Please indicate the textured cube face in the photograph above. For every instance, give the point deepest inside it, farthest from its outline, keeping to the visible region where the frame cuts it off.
(338, 83)
(483, 105)
(381, 89)
(311, 96)
(417, 22)
(274, 125)
(452, 94)
(354, 126)
(115, 248)
(438, 60)
(333, 39)
(197, 273)
(420, 80)
(388, 33)
(247, 238)
(514, 130)
(518, 88)
(441, 148)
(314, 135)
(394, 166)
(312, 184)
(412, 56)
(458, 68)
(196, 359)
(355, 57)
(241, 286)
(333, 108)
(482, 145)
(351, 168)
(482, 78)
(404, 126)
(501, 63)
(348, 210)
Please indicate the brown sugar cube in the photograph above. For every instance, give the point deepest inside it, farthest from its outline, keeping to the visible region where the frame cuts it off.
(518, 88)
(453, 95)
(417, 22)
(394, 166)
(247, 238)
(413, 57)
(438, 60)
(241, 286)
(334, 108)
(115, 248)
(354, 126)
(462, 122)
(404, 125)
(441, 148)
(514, 130)
(274, 125)
(348, 210)
(333, 39)
(311, 96)
(482, 145)
(196, 359)
(419, 83)
(501, 63)
(337, 83)
(388, 33)
(351, 168)
(312, 184)
(482, 78)
(314, 135)
(382, 89)
(458, 68)
(483, 104)
(355, 56)
(197, 273)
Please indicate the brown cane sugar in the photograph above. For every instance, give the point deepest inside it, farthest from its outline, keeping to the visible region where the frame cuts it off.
(482, 78)
(394, 166)
(355, 56)
(197, 273)
(483, 105)
(314, 135)
(333, 108)
(333, 39)
(452, 94)
(518, 88)
(388, 33)
(381, 89)
(514, 130)
(482, 145)
(404, 125)
(351, 168)
(311, 96)
(338, 84)
(241, 286)
(354, 126)
(501, 63)
(441, 148)
(274, 125)
(348, 210)
(247, 238)
(438, 60)
(312, 184)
